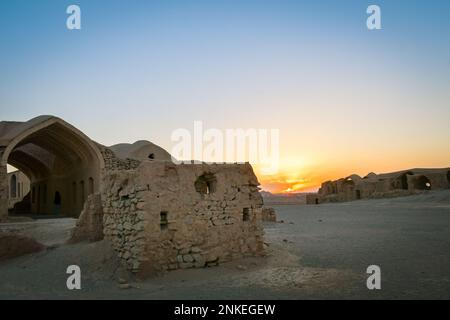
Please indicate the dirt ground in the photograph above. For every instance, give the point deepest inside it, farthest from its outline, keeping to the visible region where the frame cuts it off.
(318, 252)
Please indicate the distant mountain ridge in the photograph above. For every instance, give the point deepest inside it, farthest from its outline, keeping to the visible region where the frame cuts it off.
(283, 198)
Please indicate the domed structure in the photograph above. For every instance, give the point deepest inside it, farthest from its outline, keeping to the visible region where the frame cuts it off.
(140, 150)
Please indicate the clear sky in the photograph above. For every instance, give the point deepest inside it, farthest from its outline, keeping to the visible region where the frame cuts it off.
(346, 99)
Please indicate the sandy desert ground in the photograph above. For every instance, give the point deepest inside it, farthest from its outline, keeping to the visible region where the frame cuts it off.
(317, 252)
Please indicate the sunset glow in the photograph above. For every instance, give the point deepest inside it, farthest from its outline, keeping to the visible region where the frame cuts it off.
(345, 100)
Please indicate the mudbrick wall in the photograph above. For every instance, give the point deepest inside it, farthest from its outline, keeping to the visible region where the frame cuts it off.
(387, 185)
(163, 216)
(89, 226)
(269, 214)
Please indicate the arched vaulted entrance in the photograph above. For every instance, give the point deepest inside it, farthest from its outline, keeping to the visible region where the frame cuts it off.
(54, 155)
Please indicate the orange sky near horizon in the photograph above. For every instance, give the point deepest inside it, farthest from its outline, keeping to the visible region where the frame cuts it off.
(306, 173)
(309, 179)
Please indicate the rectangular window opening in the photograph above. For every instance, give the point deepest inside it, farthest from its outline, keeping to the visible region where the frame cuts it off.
(163, 222)
(246, 214)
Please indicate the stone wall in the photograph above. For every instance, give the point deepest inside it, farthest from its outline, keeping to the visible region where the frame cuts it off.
(163, 216)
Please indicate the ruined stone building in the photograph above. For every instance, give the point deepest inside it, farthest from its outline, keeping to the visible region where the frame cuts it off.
(157, 215)
(18, 186)
(382, 185)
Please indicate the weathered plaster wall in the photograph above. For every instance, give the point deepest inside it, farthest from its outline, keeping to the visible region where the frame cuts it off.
(89, 226)
(22, 187)
(3, 192)
(269, 214)
(157, 220)
(313, 198)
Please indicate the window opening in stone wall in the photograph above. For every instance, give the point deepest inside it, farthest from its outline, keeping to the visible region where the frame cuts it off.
(246, 214)
(206, 183)
(163, 222)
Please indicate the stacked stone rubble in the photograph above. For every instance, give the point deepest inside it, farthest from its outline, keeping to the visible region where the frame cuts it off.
(124, 220)
(113, 163)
